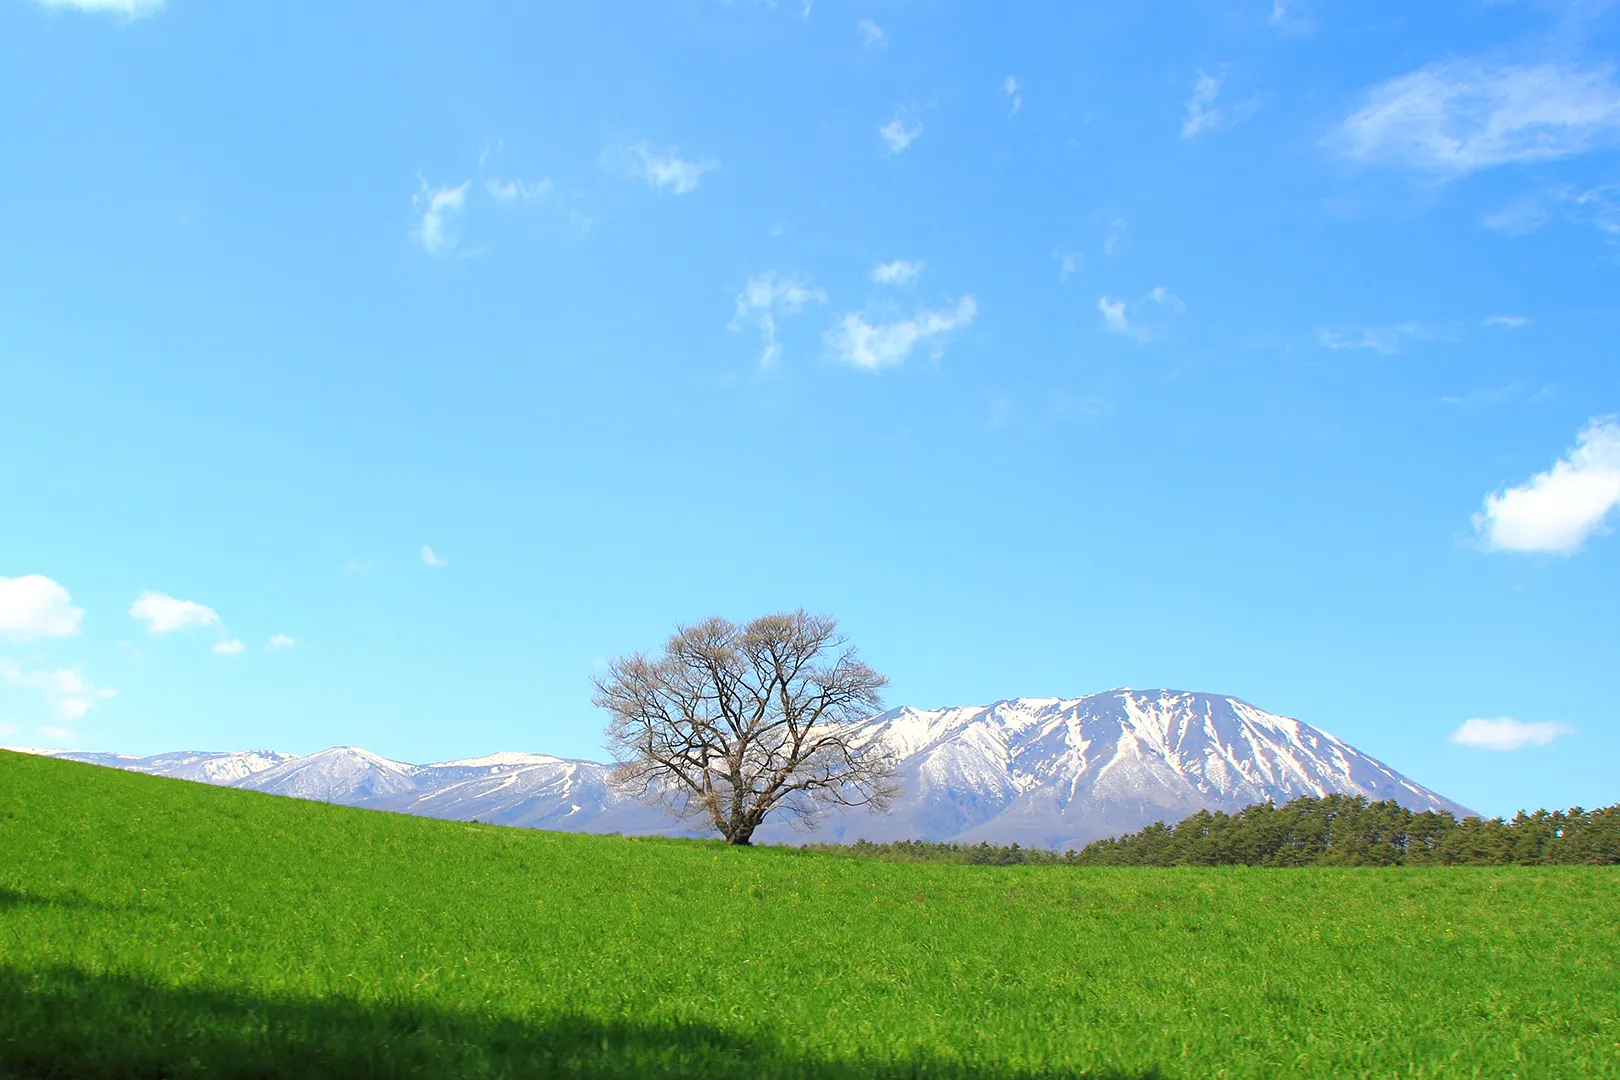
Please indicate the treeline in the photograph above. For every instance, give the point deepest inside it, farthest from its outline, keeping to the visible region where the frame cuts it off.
(1336, 830)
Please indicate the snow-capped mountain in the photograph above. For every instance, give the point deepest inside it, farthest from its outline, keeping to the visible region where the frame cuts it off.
(210, 768)
(1045, 772)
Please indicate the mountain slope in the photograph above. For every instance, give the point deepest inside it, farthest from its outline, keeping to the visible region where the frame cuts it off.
(1060, 773)
(1046, 772)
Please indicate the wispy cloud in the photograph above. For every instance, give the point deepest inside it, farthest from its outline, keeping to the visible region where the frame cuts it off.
(863, 344)
(1456, 117)
(897, 135)
(433, 558)
(1010, 87)
(1519, 219)
(437, 210)
(33, 606)
(1506, 322)
(763, 299)
(359, 566)
(1069, 263)
(1288, 16)
(1558, 510)
(1146, 320)
(508, 192)
(1507, 733)
(69, 694)
(665, 170)
(163, 614)
(1598, 207)
(1384, 340)
(229, 647)
(280, 641)
(1201, 111)
(871, 33)
(1499, 395)
(1116, 235)
(128, 9)
(898, 272)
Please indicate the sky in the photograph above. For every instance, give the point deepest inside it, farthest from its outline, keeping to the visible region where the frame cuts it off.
(371, 373)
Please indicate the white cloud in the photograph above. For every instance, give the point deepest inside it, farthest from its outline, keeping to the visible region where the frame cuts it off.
(359, 566)
(898, 272)
(871, 33)
(897, 136)
(1506, 322)
(1384, 340)
(280, 641)
(129, 9)
(58, 734)
(33, 606)
(507, 192)
(866, 345)
(668, 170)
(1201, 111)
(1507, 733)
(1010, 88)
(1113, 313)
(767, 296)
(432, 558)
(229, 647)
(1457, 117)
(68, 692)
(164, 614)
(1114, 235)
(1149, 321)
(438, 209)
(1069, 263)
(1556, 511)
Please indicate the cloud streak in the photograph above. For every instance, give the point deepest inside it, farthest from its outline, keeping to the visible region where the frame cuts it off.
(1201, 111)
(1458, 117)
(128, 9)
(1507, 733)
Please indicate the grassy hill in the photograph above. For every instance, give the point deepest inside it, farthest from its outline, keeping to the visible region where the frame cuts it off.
(157, 928)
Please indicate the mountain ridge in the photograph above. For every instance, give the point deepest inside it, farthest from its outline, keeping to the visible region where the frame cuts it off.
(1048, 772)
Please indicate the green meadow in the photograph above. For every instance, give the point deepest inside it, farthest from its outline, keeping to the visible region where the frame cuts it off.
(157, 928)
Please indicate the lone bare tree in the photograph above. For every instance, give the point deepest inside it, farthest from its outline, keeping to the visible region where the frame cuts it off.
(734, 722)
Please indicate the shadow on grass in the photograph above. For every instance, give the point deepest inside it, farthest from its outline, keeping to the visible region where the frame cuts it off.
(64, 1023)
(12, 898)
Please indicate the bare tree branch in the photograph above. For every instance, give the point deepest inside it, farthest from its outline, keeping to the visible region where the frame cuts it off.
(733, 723)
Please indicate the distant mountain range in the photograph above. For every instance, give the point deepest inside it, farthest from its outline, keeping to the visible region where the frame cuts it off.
(1046, 772)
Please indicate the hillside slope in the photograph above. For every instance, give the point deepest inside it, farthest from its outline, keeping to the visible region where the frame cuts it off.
(150, 927)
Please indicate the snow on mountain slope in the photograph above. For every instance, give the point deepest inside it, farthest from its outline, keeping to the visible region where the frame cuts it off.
(343, 774)
(207, 767)
(1060, 773)
(1045, 772)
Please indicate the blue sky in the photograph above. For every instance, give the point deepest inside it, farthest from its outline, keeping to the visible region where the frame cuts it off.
(374, 371)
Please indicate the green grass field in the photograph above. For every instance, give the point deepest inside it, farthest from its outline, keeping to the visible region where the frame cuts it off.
(156, 928)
